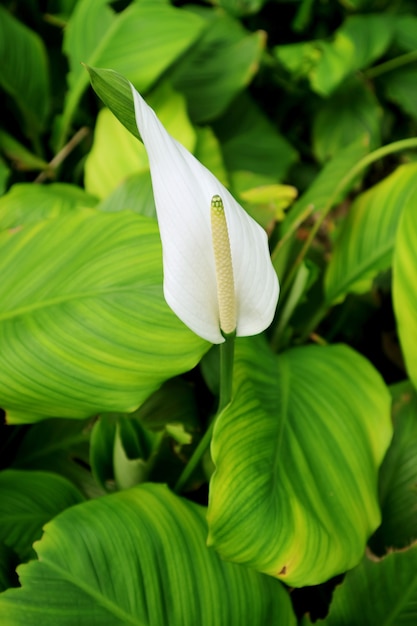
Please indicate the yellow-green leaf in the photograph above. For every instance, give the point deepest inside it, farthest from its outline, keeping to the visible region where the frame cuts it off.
(297, 453)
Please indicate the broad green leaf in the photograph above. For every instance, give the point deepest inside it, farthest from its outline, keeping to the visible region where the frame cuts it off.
(27, 501)
(60, 446)
(134, 193)
(404, 285)
(401, 87)
(328, 187)
(405, 32)
(377, 593)
(357, 43)
(398, 476)
(141, 42)
(208, 152)
(297, 453)
(218, 67)
(114, 157)
(266, 203)
(116, 154)
(138, 557)
(250, 143)
(347, 115)
(298, 58)
(20, 156)
(367, 236)
(86, 328)
(24, 72)
(26, 203)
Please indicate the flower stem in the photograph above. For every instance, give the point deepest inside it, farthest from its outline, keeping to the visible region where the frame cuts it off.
(226, 379)
(392, 64)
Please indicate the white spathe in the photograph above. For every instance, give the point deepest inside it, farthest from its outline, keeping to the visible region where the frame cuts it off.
(183, 190)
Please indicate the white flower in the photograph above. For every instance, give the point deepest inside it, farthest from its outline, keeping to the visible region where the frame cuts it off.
(184, 190)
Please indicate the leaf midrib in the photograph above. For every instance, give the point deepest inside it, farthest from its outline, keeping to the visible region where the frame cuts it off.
(99, 598)
(44, 304)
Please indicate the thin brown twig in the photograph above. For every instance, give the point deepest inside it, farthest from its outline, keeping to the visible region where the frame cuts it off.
(60, 157)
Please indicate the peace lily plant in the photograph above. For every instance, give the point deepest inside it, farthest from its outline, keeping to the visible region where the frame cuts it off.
(218, 276)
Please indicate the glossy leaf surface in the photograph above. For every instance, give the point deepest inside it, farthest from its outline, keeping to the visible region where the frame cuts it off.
(86, 329)
(398, 476)
(384, 593)
(366, 242)
(297, 452)
(138, 557)
(140, 42)
(404, 285)
(27, 501)
(24, 71)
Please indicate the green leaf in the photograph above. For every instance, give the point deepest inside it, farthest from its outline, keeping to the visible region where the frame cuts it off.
(297, 452)
(60, 446)
(401, 87)
(27, 501)
(120, 450)
(398, 476)
(21, 157)
(349, 113)
(218, 67)
(135, 193)
(138, 557)
(26, 203)
(357, 43)
(250, 143)
(86, 328)
(366, 242)
(24, 71)
(404, 285)
(328, 187)
(406, 31)
(141, 42)
(208, 152)
(116, 93)
(379, 593)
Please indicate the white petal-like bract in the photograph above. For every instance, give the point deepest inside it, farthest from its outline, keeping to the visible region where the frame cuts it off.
(183, 190)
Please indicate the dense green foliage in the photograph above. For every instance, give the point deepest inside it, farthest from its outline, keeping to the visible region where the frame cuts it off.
(303, 507)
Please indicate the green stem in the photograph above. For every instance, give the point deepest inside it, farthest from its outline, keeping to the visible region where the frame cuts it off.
(392, 64)
(396, 146)
(226, 378)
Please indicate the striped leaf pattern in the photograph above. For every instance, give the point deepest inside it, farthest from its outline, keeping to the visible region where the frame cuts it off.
(138, 557)
(84, 326)
(366, 242)
(296, 452)
(404, 285)
(377, 593)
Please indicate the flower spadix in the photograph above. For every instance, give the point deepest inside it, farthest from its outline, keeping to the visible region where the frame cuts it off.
(218, 275)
